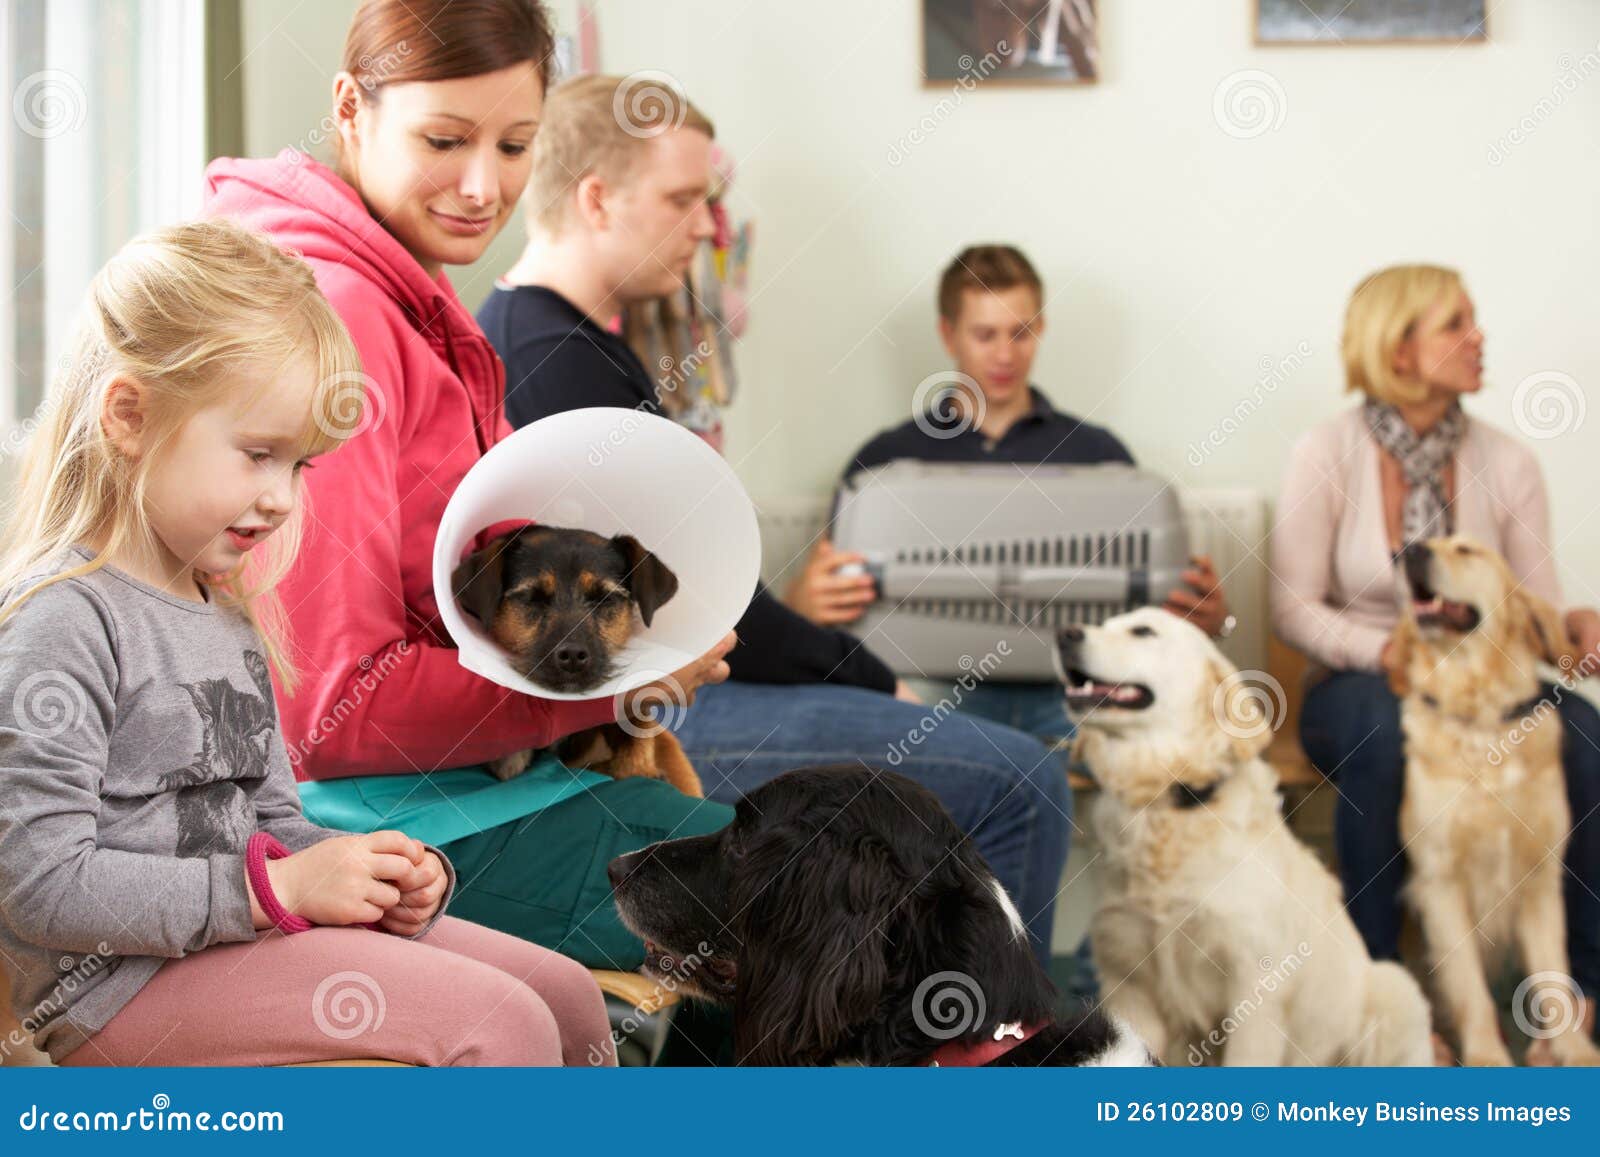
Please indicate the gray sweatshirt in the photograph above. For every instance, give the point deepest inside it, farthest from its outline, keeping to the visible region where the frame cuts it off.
(139, 751)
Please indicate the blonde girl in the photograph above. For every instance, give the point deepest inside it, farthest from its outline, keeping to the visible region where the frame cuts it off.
(162, 898)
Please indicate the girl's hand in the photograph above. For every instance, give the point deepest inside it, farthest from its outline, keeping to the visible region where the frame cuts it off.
(826, 597)
(345, 880)
(421, 890)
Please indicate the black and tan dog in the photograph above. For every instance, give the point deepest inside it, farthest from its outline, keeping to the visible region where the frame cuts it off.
(563, 603)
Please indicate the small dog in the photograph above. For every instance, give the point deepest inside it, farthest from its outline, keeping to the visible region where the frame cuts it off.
(563, 603)
(1219, 936)
(847, 920)
(1485, 817)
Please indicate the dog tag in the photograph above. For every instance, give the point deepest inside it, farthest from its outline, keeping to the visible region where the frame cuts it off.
(1005, 1030)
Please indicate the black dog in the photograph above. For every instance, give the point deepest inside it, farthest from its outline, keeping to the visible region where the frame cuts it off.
(561, 603)
(847, 920)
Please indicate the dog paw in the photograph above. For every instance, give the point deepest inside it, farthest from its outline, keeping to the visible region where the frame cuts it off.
(510, 766)
(1486, 1057)
(1575, 1050)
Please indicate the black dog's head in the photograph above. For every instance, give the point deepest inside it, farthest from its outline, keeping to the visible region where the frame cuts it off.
(822, 912)
(561, 601)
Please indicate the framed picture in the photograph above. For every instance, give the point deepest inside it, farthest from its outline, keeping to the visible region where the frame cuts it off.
(1009, 41)
(1370, 21)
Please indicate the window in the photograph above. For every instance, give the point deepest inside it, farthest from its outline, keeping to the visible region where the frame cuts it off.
(105, 138)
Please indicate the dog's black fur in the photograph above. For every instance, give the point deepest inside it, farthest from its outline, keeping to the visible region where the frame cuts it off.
(561, 601)
(816, 914)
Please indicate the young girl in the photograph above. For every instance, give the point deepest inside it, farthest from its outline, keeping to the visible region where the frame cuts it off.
(162, 899)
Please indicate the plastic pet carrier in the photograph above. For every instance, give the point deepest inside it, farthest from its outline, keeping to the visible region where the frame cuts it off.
(967, 556)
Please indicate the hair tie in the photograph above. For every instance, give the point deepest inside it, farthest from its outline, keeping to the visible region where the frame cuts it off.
(263, 847)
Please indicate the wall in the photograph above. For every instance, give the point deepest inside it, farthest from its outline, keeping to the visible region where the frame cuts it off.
(1190, 251)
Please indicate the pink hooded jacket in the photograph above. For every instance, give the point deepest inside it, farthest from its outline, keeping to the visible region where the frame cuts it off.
(381, 691)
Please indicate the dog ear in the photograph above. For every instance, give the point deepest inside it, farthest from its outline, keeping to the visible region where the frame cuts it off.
(480, 580)
(813, 967)
(1547, 630)
(1398, 664)
(1241, 713)
(649, 580)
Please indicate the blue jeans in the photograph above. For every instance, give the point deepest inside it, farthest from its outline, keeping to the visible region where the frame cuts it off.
(1040, 709)
(1350, 727)
(1002, 787)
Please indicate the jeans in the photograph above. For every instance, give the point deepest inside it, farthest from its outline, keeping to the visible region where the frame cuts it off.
(1350, 727)
(1000, 786)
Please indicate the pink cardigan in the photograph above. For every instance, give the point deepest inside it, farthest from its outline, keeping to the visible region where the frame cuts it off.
(1332, 585)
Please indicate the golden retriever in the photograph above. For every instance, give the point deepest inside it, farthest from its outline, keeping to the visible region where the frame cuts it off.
(1220, 936)
(1485, 818)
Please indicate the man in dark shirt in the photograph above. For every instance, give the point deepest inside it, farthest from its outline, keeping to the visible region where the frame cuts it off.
(991, 317)
(616, 211)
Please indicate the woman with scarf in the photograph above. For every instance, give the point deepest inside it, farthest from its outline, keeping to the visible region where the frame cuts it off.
(1406, 465)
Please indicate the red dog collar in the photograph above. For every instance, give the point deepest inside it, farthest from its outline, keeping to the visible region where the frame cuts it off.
(972, 1054)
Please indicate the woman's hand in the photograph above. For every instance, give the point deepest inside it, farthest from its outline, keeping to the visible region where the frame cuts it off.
(678, 688)
(1583, 624)
(344, 880)
(421, 890)
(826, 597)
(1203, 603)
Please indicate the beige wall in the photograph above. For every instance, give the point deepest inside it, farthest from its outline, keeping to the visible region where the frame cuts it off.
(1182, 259)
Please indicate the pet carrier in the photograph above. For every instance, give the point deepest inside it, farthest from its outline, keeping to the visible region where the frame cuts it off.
(967, 556)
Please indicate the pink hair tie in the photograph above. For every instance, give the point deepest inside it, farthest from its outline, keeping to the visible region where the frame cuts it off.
(263, 847)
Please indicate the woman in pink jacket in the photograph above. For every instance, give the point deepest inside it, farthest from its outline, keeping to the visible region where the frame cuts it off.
(433, 116)
(1410, 464)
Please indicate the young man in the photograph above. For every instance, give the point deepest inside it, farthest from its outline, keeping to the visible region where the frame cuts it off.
(991, 317)
(616, 207)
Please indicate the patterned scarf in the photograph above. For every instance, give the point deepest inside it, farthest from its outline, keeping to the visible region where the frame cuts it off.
(1423, 459)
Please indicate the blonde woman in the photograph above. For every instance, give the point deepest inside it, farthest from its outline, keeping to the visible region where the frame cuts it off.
(1409, 463)
(151, 839)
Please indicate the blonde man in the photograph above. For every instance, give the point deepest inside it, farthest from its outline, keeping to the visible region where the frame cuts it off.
(1406, 464)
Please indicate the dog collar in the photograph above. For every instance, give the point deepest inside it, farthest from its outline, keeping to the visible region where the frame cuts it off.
(972, 1054)
(1186, 796)
(1514, 715)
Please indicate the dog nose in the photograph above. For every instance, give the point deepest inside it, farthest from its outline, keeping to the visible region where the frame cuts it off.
(572, 658)
(1072, 634)
(618, 869)
(1414, 557)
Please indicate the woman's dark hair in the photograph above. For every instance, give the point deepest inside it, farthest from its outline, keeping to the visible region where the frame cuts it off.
(401, 41)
